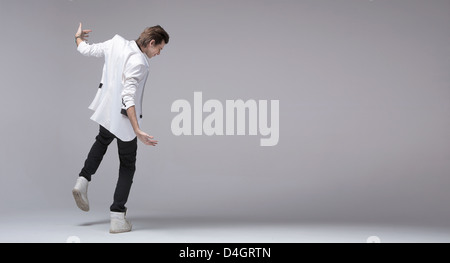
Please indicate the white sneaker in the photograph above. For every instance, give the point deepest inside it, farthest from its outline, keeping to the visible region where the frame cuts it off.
(119, 223)
(80, 193)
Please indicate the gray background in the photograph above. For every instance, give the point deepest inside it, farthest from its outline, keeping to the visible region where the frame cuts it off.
(364, 108)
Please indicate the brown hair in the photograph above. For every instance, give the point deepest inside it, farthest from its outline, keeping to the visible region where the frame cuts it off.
(156, 33)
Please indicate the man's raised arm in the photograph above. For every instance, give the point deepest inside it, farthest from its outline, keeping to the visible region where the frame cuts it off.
(81, 35)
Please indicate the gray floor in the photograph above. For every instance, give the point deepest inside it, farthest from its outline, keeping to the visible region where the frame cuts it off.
(77, 226)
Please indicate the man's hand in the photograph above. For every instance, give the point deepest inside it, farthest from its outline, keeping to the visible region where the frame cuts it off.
(81, 35)
(146, 139)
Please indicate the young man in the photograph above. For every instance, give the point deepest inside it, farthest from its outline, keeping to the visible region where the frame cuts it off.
(117, 109)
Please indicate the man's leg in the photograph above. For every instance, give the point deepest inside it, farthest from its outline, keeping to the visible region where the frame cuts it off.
(127, 155)
(95, 156)
(98, 150)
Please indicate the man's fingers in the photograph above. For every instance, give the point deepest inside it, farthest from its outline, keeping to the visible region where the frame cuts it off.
(83, 32)
(152, 142)
(147, 140)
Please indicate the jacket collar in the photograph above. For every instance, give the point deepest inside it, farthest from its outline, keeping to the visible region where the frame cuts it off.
(135, 46)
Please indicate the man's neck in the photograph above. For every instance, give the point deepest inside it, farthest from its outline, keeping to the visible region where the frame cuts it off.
(139, 47)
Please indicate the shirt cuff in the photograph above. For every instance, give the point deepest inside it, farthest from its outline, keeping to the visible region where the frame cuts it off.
(128, 104)
(81, 46)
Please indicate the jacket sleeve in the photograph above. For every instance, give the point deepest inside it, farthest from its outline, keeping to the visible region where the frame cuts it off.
(133, 74)
(93, 50)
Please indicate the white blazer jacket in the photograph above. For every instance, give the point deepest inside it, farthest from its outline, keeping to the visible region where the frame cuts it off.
(124, 76)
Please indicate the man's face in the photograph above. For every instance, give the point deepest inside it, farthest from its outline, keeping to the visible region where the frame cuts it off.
(154, 50)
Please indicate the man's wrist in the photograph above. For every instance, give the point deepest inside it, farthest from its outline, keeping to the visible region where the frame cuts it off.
(76, 39)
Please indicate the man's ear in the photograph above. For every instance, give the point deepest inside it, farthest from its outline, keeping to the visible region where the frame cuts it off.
(152, 43)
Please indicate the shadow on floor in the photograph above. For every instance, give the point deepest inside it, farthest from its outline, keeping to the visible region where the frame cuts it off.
(99, 222)
(185, 222)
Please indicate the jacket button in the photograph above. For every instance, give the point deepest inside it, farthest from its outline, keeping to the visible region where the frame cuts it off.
(140, 116)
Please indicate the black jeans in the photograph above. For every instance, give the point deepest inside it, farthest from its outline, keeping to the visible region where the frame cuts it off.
(127, 156)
